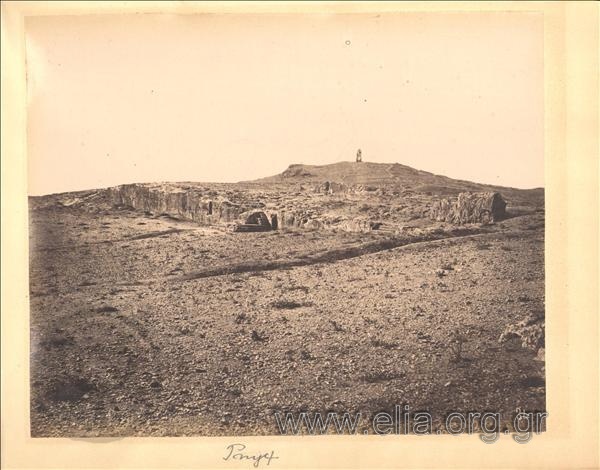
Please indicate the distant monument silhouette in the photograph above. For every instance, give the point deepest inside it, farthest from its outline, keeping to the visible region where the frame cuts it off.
(358, 156)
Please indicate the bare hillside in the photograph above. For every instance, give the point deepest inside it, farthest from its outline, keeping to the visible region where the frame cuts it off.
(394, 176)
(150, 317)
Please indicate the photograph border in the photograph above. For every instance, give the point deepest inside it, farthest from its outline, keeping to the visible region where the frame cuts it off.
(571, 192)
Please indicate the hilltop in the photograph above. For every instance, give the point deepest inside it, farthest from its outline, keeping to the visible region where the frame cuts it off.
(349, 196)
(394, 176)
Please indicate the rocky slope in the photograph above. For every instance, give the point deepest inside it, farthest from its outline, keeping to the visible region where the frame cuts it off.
(343, 196)
(396, 177)
(149, 318)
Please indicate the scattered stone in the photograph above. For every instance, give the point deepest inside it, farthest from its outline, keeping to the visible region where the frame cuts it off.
(257, 337)
(541, 355)
(531, 332)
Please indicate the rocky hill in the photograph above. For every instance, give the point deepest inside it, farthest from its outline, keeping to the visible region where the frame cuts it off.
(149, 318)
(395, 176)
(346, 196)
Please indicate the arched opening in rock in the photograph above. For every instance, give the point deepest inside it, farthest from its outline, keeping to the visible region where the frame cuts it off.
(258, 218)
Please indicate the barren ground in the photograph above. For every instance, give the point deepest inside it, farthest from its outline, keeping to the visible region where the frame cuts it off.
(128, 339)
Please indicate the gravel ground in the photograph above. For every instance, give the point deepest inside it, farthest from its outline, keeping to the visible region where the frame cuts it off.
(124, 344)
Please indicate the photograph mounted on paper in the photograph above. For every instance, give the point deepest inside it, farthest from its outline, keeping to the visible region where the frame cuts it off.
(286, 224)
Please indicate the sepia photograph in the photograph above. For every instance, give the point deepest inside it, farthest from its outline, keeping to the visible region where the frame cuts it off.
(245, 225)
(299, 235)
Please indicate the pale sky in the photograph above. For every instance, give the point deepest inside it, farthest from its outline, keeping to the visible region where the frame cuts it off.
(224, 98)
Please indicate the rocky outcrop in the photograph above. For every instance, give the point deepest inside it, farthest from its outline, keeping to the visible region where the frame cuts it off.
(211, 206)
(189, 204)
(330, 187)
(295, 171)
(485, 208)
(531, 332)
(356, 225)
(206, 208)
